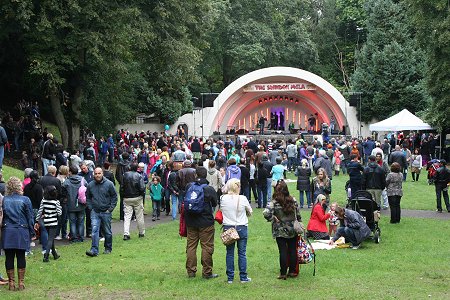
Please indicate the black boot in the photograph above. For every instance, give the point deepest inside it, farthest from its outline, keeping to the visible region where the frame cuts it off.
(45, 257)
(55, 254)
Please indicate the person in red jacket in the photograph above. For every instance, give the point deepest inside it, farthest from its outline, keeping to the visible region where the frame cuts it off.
(317, 226)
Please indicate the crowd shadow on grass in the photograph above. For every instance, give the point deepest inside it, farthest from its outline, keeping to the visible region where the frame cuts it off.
(93, 293)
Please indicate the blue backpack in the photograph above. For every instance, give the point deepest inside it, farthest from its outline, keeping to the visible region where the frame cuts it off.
(194, 200)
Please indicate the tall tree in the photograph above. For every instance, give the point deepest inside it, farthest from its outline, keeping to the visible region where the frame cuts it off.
(432, 20)
(390, 66)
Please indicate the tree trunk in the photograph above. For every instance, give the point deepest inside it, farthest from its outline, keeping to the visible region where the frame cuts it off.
(59, 116)
(227, 64)
(76, 114)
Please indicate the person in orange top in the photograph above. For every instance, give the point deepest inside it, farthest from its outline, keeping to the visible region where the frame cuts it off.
(317, 225)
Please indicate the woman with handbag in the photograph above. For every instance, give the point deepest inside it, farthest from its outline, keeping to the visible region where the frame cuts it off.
(284, 214)
(235, 210)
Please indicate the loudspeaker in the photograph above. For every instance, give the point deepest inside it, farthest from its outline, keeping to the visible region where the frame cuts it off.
(354, 100)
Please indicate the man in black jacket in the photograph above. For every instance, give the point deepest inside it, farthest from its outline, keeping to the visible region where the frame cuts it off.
(374, 179)
(200, 227)
(441, 182)
(122, 167)
(245, 179)
(101, 198)
(398, 157)
(132, 189)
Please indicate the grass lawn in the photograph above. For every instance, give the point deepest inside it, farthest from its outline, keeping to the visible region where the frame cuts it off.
(411, 262)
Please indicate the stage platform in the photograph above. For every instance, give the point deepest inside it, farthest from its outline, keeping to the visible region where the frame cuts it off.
(274, 136)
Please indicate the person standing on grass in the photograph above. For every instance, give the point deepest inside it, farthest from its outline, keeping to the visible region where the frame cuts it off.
(173, 189)
(156, 193)
(394, 191)
(88, 177)
(50, 210)
(200, 228)
(354, 169)
(374, 180)
(303, 173)
(235, 209)
(17, 230)
(101, 198)
(442, 182)
(282, 212)
(133, 189)
(76, 210)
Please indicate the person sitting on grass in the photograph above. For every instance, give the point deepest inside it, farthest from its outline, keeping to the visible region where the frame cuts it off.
(355, 229)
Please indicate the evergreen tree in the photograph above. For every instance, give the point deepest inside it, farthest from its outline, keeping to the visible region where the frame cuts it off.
(390, 66)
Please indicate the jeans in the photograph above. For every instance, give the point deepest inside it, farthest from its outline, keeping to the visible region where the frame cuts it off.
(76, 219)
(62, 228)
(101, 158)
(440, 189)
(344, 166)
(246, 192)
(110, 154)
(52, 232)
(242, 256)
(269, 189)
(156, 205)
(262, 196)
(103, 220)
(174, 206)
(44, 234)
(291, 163)
(308, 198)
(45, 164)
(348, 234)
(167, 200)
(2, 156)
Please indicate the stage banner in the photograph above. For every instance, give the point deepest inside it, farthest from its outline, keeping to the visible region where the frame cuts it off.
(277, 87)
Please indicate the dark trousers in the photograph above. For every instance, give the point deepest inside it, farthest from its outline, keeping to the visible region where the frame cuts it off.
(288, 254)
(156, 208)
(52, 232)
(122, 215)
(252, 185)
(10, 254)
(167, 201)
(88, 222)
(394, 205)
(441, 189)
(62, 226)
(262, 196)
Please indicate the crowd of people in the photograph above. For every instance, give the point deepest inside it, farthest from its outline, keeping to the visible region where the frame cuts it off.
(75, 195)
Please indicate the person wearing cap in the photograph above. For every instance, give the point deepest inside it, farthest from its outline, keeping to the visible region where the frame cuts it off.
(441, 183)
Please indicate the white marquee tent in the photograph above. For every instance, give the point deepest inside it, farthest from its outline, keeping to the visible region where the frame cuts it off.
(404, 120)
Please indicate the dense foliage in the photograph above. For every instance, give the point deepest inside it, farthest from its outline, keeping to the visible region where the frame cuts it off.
(97, 63)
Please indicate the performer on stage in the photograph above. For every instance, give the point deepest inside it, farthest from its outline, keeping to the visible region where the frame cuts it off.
(276, 121)
(312, 123)
(261, 122)
(281, 127)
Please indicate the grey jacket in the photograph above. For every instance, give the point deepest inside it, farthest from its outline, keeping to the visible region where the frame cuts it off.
(101, 196)
(70, 193)
(355, 221)
(394, 184)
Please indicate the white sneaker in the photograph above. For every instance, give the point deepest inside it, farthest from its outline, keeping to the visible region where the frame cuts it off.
(102, 239)
(32, 244)
(58, 238)
(43, 252)
(248, 279)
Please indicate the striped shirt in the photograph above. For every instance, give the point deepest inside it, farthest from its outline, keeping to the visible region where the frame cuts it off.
(49, 210)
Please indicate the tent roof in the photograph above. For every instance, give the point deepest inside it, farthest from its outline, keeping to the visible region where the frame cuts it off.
(404, 120)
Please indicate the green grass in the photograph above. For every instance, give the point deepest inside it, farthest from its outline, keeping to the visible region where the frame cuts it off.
(411, 262)
(53, 129)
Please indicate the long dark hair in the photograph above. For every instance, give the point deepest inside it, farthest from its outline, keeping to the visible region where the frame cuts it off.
(34, 176)
(283, 197)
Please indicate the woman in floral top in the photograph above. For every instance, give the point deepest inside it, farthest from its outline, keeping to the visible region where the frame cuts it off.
(282, 212)
(394, 191)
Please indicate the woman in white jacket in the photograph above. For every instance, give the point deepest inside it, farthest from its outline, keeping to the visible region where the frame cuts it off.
(236, 209)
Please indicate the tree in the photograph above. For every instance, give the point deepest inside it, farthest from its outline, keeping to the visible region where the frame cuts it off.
(432, 20)
(390, 67)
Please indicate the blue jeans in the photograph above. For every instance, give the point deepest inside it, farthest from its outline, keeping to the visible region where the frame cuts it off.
(348, 234)
(174, 206)
(262, 196)
(269, 189)
(62, 228)
(291, 163)
(103, 220)
(77, 225)
(242, 257)
(308, 198)
(246, 192)
(2, 156)
(45, 164)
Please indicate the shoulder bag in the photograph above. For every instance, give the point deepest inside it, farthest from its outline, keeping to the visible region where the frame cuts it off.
(231, 235)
